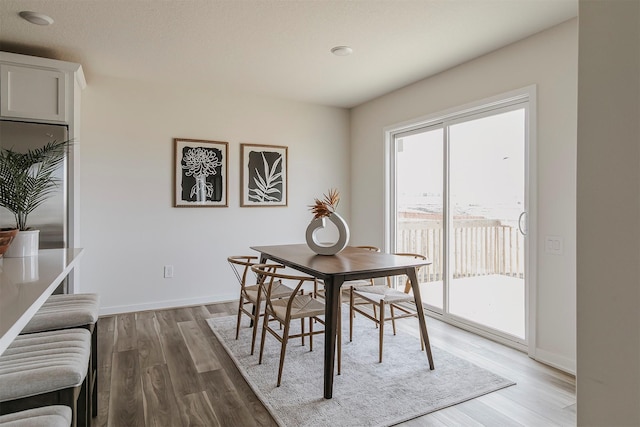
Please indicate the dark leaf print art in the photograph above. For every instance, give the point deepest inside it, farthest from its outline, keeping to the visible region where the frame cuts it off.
(264, 175)
(265, 183)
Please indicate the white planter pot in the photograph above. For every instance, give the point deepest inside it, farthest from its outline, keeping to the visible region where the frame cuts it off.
(328, 248)
(26, 243)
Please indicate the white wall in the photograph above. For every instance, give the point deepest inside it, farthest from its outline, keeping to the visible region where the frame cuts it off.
(129, 228)
(549, 60)
(608, 199)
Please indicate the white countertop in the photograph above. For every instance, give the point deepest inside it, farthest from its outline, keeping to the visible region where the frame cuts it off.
(26, 283)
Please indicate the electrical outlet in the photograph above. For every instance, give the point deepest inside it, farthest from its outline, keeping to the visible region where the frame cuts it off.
(168, 271)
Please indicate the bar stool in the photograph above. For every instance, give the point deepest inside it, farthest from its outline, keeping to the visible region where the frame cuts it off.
(49, 416)
(66, 311)
(47, 368)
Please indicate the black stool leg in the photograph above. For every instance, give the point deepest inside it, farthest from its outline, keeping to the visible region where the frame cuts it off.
(94, 370)
(84, 417)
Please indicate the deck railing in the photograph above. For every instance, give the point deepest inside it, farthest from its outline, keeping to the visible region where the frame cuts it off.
(480, 247)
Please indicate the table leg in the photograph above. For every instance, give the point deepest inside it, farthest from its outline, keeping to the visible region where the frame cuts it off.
(332, 301)
(415, 285)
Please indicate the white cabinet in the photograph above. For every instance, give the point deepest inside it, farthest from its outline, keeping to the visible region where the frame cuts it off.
(33, 93)
(38, 89)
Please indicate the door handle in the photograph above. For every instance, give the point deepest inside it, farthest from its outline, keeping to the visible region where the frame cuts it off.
(524, 233)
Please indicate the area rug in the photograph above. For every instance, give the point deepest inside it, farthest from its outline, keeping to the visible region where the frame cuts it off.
(367, 393)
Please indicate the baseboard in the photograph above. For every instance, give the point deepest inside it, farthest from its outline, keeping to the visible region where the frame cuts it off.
(559, 362)
(161, 305)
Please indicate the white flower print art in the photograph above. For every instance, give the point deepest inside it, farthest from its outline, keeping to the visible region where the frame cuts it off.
(200, 173)
(264, 175)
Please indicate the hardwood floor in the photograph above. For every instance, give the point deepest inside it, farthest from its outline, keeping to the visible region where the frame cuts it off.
(166, 368)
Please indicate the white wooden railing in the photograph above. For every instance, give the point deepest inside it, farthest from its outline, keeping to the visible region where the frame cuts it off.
(480, 247)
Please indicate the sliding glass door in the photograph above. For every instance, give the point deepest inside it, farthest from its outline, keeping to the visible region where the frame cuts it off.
(486, 196)
(460, 192)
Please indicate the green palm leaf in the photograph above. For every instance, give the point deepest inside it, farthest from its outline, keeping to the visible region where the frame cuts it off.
(26, 179)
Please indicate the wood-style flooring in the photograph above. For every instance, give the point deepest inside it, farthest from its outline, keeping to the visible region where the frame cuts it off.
(166, 368)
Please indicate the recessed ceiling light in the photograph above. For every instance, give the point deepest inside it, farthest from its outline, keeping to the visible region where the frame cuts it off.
(36, 18)
(342, 51)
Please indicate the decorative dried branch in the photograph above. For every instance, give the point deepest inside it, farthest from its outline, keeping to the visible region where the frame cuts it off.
(327, 206)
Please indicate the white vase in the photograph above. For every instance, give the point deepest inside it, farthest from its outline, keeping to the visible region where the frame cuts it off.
(26, 243)
(328, 248)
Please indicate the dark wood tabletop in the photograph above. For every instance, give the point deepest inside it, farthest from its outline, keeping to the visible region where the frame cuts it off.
(353, 263)
(350, 264)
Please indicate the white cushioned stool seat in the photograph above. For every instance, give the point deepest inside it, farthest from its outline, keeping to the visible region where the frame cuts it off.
(44, 362)
(65, 311)
(47, 416)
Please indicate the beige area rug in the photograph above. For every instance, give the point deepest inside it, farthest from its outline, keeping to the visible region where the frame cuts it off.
(367, 393)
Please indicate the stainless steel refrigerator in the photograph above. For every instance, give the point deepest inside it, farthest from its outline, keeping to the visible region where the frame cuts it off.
(51, 217)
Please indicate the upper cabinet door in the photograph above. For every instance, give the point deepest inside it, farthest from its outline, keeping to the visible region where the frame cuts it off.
(33, 93)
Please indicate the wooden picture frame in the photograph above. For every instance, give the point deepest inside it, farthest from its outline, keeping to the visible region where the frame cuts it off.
(264, 175)
(200, 173)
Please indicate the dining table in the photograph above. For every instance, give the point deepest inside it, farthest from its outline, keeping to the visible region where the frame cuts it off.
(352, 263)
(26, 283)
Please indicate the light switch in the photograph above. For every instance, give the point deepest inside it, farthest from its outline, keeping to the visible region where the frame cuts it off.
(553, 245)
(168, 271)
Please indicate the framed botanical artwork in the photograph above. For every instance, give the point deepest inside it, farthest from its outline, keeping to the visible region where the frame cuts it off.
(200, 173)
(263, 175)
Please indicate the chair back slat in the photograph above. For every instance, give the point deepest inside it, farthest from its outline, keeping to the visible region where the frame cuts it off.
(242, 263)
(369, 248)
(407, 283)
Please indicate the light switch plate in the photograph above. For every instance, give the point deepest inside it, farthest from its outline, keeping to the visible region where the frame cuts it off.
(168, 271)
(554, 245)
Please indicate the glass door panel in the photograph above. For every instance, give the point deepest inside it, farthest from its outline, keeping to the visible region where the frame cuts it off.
(419, 206)
(487, 203)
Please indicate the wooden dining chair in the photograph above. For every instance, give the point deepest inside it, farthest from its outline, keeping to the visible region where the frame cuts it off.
(284, 310)
(379, 297)
(250, 293)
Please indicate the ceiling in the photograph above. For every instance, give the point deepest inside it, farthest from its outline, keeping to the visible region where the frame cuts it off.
(276, 48)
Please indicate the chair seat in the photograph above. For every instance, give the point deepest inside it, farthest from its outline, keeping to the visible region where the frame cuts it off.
(279, 290)
(382, 292)
(302, 306)
(47, 416)
(350, 284)
(44, 362)
(64, 311)
(355, 284)
(345, 288)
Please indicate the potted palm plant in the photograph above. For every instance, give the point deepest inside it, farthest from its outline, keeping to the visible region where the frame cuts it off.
(26, 181)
